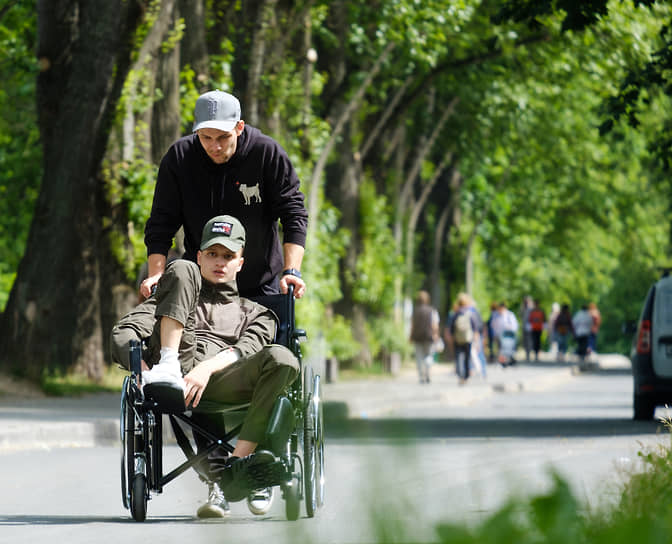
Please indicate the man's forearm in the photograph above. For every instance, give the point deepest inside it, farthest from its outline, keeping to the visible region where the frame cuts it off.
(293, 254)
(156, 264)
(221, 360)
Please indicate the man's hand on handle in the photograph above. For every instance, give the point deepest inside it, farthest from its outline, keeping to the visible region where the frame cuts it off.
(298, 283)
(147, 286)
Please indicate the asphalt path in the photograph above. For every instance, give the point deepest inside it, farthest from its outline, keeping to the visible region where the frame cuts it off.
(401, 458)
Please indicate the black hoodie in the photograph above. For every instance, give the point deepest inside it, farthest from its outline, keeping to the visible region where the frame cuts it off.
(258, 185)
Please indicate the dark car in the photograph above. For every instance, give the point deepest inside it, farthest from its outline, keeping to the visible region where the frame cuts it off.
(651, 354)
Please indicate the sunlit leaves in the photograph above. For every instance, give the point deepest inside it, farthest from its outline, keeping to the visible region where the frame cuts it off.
(20, 148)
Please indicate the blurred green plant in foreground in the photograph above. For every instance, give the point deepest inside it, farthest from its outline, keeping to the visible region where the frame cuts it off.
(642, 512)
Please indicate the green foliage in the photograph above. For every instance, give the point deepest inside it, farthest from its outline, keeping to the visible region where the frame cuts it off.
(553, 517)
(188, 96)
(379, 264)
(313, 312)
(6, 282)
(131, 186)
(386, 335)
(59, 385)
(558, 207)
(340, 341)
(151, 14)
(559, 210)
(20, 150)
(648, 493)
(643, 515)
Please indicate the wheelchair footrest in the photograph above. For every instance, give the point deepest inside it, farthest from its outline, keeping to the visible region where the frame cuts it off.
(269, 474)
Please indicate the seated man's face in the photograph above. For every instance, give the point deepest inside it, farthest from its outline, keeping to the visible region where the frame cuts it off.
(219, 264)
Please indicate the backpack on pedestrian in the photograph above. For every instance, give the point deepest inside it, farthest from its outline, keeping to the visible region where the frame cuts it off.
(463, 331)
(537, 319)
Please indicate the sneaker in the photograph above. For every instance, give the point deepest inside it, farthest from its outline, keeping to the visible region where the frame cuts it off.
(238, 477)
(260, 501)
(217, 506)
(164, 373)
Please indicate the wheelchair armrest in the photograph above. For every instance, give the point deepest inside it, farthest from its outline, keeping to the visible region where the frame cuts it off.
(167, 398)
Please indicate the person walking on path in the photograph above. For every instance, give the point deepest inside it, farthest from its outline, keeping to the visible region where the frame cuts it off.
(478, 360)
(228, 167)
(492, 343)
(505, 329)
(594, 328)
(424, 334)
(582, 323)
(552, 339)
(537, 322)
(563, 330)
(464, 331)
(525, 310)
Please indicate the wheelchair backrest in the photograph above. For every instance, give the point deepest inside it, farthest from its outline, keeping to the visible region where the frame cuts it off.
(283, 308)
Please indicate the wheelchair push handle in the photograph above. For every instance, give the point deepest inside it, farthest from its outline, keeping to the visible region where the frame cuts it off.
(290, 306)
(135, 357)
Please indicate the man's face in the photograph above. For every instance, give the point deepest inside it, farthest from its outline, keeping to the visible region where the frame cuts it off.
(219, 145)
(219, 264)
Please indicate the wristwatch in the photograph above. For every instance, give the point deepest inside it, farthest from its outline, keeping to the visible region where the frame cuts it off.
(291, 272)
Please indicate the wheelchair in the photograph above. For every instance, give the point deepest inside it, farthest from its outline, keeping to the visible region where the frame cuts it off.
(295, 432)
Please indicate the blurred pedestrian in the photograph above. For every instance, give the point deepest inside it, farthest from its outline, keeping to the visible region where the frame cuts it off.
(478, 360)
(448, 335)
(594, 328)
(424, 334)
(552, 340)
(563, 330)
(464, 331)
(537, 321)
(525, 310)
(490, 332)
(505, 329)
(582, 323)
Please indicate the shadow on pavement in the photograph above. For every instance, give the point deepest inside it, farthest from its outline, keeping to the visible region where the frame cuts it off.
(37, 519)
(342, 428)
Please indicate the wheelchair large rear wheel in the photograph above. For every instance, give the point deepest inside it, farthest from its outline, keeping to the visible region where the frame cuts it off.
(313, 450)
(126, 430)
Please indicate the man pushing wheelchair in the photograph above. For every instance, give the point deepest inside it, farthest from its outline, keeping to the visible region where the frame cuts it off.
(203, 338)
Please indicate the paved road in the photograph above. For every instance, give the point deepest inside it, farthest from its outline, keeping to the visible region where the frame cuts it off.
(396, 449)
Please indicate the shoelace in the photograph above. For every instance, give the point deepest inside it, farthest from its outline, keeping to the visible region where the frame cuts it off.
(216, 495)
(261, 495)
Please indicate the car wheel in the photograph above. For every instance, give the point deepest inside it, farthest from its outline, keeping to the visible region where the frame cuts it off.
(644, 408)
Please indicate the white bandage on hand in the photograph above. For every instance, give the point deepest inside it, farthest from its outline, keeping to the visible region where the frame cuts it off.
(167, 370)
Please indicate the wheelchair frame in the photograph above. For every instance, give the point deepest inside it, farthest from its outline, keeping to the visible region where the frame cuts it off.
(141, 430)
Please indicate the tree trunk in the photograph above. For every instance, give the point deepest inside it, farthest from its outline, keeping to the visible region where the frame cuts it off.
(416, 209)
(52, 320)
(166, 124)
(193, 47)
(348, 203)
(442, 232)
(257, 54)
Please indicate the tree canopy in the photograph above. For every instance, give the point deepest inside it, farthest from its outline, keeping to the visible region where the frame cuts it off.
(502, 148)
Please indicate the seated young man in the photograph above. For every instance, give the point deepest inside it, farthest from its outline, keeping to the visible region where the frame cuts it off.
(206, 339)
